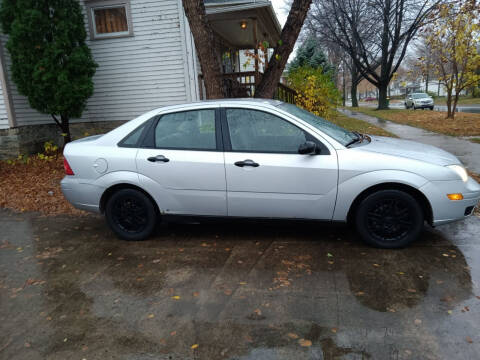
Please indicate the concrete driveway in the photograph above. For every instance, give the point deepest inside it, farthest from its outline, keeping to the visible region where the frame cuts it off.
(70, 290)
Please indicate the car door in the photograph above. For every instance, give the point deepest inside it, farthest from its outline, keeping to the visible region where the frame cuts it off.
(267, 177)
(182, 163)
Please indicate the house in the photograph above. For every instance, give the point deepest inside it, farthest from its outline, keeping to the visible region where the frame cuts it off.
(146, 57)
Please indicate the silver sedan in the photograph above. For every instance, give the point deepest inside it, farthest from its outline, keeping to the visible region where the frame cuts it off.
(264, 159)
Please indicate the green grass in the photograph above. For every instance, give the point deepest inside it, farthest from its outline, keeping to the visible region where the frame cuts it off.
(361, 126)
(475, 140)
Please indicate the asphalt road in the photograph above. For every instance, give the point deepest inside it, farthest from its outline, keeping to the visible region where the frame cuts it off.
(70, 290)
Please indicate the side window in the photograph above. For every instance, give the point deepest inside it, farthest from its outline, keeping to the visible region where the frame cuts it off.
(258, 131)
(193, 130)
(131, 140)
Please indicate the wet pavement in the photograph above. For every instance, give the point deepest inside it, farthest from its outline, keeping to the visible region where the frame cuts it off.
(70, 290)
(467, 151)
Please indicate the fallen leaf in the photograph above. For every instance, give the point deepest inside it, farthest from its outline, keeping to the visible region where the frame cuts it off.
(176, 297)
(334, 330)
(469, 339)
(449, 312)
(292, 336)
(331, 262)
(194, 346)
(156, 261)
(411, 290)
(243, 283)
(376, 265)
(418, 321)
(329, 255)
(305, 343)
(196, 293)
(359, 293)
(446, 255)
(173, 333)
(227, 292)
(401, 273)
(151, 316)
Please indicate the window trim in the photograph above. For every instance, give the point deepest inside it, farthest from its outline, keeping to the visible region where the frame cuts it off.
(151, 139)
(92, 5)
(228, 144)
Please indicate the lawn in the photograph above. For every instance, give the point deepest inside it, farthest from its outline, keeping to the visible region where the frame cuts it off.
(461, 101)
(464, 124)
(358, 125)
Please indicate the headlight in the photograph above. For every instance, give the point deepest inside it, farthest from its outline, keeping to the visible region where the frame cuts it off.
(460, 170)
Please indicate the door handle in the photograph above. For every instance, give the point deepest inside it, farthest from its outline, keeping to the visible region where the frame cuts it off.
(247, 162)
(158, 158)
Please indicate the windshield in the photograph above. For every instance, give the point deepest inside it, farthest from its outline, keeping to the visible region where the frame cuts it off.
(343, 136)
(419, 96)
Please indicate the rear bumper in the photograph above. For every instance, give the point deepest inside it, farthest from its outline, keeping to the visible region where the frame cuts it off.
(83, 196)
(445, 210)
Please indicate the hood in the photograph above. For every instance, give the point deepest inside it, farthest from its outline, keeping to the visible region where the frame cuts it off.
(410, 149)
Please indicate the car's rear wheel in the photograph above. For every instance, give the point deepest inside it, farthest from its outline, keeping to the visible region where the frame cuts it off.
(131, 214)
(389, 219)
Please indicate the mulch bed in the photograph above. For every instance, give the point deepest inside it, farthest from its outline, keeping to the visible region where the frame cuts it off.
(34, 186)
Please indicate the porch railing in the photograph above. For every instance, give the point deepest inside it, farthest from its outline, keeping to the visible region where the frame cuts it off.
(242, 84)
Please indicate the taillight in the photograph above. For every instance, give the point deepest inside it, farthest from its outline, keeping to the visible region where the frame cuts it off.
(66, 166)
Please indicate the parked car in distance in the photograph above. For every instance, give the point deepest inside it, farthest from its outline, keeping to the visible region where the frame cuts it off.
(370, 98)
(419, 101)
(247, 158)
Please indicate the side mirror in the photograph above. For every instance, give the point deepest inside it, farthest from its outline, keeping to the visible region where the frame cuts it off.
(308, 148)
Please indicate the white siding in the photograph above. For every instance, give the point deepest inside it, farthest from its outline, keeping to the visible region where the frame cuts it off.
(3, 111)
(135, 74)
(4, 124)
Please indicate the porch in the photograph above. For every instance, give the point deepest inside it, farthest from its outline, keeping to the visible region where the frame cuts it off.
(245, 32)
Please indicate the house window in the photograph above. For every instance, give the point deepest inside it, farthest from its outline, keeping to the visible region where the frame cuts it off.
(109, 19)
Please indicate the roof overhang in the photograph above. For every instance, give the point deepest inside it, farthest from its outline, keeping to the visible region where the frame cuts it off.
(226, 18)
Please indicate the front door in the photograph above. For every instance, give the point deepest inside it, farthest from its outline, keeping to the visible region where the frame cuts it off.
(184, 168)
(267, 177)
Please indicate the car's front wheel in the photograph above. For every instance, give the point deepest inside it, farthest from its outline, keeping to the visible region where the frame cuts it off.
(131, 214)
(389, 219)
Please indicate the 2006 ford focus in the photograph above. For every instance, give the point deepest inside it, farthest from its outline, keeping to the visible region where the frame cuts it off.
(264, 159)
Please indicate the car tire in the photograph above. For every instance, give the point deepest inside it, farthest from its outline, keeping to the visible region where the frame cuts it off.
(431, 108)
(389, 219)
(131, 215)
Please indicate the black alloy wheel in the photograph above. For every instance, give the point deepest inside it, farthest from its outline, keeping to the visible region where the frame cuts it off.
(131, 214)
(389, 219)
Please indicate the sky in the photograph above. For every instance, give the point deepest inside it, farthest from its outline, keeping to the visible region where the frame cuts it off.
(279, 6)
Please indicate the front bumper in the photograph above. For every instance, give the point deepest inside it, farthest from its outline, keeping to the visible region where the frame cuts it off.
(82, 195)
(424, 106)
(444, 210)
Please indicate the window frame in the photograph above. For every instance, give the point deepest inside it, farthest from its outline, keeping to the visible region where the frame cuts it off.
(92, 5)
(148, 139)
(228, 144)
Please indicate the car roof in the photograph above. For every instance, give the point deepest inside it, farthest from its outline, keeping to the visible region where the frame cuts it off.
(225, 102)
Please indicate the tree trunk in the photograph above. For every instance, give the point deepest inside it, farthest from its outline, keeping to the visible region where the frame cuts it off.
(355, 78)
(269, 82)
(353, 94)
(344, 87)
(206, 49)
(382, 96)
(455, 101)
(449, 104)
(65, 127)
